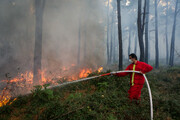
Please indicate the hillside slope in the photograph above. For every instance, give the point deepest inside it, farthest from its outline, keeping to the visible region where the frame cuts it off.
(103, 98)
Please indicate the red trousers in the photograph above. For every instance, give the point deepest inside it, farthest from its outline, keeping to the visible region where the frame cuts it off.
(135, 92)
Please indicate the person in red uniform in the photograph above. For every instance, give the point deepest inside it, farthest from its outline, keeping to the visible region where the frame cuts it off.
(136, 79)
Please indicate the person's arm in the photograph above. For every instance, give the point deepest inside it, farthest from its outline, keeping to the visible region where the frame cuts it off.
(146, 68)
(123, 73)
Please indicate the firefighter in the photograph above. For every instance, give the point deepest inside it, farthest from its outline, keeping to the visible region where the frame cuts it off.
(136, 79)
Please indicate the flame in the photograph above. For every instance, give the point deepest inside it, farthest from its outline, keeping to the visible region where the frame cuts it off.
(12, 101)
(28, 76)
(45, 78)
(24, 81)
(73, 65)
(64, 68)
(21, 81)
(85, 73)
(100, 69)
(4, 100)
(5, 97)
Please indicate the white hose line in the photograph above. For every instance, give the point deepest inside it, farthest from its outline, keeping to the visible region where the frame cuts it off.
(147, 83)
(150, 96)
(74, 81)
(66, 83)
(149, 89)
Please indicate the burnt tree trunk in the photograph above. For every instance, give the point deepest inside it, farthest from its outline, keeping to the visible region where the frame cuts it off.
(39, 10)
(120, 35)
(156, 37)
(146, 32)
(171, 61)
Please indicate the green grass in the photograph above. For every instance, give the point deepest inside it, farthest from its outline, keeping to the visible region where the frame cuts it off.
(103, 98)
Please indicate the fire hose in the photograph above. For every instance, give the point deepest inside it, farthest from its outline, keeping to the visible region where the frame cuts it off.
(130, 71)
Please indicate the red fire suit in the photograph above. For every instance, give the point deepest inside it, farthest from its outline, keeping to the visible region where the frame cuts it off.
(136, 79)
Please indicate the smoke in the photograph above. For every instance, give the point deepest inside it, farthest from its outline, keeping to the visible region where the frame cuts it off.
(62, 22)
(129, 19)
(65, 22)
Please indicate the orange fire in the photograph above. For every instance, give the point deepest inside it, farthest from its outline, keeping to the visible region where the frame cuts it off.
(21, 81)
(5, 98)
(47, 79)
(100, 69)
(25, 81)
(28, 77)
(85, 73)
(73, 65)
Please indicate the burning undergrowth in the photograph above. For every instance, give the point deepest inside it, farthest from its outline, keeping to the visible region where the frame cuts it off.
(23, 82)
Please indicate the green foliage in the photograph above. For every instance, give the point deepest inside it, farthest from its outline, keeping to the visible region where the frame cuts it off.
(74, 96)
(46, 85)
(173, 69)
(102, 86)
(6, 109)
(52, 111)
(103, 98)
(41, 95)
(112, 117)
(20, 101)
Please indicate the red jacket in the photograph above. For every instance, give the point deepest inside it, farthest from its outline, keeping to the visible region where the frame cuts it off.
(136, 78)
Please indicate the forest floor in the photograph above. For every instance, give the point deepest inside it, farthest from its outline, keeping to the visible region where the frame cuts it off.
(102, 98)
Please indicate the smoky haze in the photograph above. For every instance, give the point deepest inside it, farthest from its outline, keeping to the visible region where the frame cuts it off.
(62, 21)
(65, 22)
(129, 20)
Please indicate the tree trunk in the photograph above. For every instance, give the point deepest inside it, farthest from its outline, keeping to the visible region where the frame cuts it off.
(135, 38)
(141, 28)
(111, 43)
(120, 36)
(108, 56)
(79, 42)
(171, 61)
(166, 34)
(129, 46)
(114, 30)
(156, 37)
(146, 32)
(114, 41)
(39, 7)
(85, 42)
